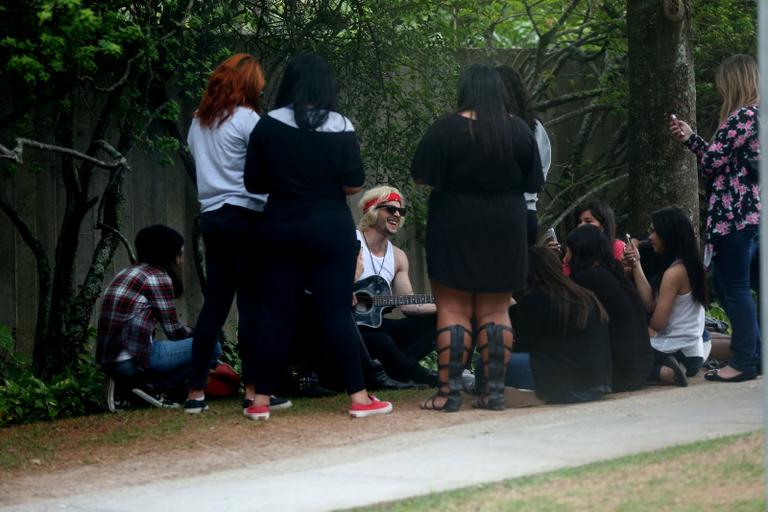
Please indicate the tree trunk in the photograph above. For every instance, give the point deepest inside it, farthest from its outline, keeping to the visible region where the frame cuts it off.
(661, 82)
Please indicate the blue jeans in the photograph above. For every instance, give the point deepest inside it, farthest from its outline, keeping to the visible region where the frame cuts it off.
(170, 365)
(519, 374)
(733, 270)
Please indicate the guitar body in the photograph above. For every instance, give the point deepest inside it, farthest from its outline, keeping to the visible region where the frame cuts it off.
(374, 297)
(366, 311)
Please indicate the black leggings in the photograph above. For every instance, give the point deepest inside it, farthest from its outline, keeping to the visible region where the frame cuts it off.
(316, 253)
(231, 263)
(532, 226)
(399, 344)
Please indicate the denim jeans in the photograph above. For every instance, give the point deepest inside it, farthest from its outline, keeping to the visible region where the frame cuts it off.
(733, 271)
(170, 364)
(519, 374)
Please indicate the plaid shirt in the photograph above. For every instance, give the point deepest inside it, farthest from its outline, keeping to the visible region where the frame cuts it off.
(137, 298)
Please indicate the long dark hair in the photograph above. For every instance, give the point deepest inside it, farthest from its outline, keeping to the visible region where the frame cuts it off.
(603, 213)
(519, 101)
(570, 303)
(159, 245)
(308, 83)
(482, 91)
(674, 229)
(590, 248)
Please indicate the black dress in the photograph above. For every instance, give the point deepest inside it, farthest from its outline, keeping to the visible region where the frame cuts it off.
(476, 223)
(630, 344)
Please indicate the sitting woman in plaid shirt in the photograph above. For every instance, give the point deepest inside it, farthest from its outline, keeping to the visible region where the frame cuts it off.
(140, 296)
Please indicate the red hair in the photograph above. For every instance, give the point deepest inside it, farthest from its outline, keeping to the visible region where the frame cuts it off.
(238, 81)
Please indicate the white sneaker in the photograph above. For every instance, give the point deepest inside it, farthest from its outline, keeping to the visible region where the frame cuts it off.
(468, 381)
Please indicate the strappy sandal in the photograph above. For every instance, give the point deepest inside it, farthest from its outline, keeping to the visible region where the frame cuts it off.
(450, 390)
(493, 397)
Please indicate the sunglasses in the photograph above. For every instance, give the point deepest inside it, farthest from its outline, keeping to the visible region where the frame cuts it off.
(392, 209)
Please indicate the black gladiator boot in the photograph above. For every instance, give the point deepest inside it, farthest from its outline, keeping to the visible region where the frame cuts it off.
(450, 389)
(494, 352)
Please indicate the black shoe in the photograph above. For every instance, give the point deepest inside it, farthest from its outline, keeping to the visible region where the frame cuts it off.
(154, 398)
(308, 385)
(714, 376)
(378, 380)
(430, 379)
(277, 404)
(674, 365)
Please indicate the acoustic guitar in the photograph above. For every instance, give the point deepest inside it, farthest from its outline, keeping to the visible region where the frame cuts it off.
(374, 298)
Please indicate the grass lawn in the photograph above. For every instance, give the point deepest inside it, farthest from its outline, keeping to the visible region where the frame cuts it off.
(724, 474)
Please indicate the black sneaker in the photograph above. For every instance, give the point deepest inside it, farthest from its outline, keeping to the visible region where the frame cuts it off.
(155, 399)
(679, 372)
(195, 406)
(277, 404)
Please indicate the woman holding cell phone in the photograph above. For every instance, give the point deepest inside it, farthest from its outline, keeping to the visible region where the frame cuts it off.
(733, 207)
(674, 298)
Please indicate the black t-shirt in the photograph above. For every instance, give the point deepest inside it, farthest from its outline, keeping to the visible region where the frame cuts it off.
(630, 344)
(562, 363)
(303, 171)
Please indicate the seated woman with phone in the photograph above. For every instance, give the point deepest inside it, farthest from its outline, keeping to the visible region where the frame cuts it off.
(675, 298)
(595, 267)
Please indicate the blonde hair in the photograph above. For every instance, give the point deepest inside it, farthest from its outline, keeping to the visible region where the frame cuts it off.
(738, 81)
(379, 195)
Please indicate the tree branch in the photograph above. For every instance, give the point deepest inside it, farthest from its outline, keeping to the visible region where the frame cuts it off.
(120, 82)
(126, 243)
(576, 113)
(567, 98)
(17, 154)
(583, 197)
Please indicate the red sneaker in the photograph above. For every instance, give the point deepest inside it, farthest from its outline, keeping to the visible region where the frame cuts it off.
(375, 407)
(255, 412)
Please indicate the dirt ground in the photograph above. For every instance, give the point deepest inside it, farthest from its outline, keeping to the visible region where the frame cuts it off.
(86, 454)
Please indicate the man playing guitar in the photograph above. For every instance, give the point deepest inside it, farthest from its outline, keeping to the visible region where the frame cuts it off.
(398, 343)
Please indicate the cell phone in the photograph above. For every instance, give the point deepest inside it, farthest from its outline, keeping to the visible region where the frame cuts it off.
(550, 235)
(628, 238)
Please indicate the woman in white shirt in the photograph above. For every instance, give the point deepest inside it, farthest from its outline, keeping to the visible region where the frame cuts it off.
(675, 300)
(230, 216)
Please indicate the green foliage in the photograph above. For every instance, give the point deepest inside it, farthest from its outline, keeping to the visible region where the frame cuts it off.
(24, 398)
(721, 29)
(717, 312)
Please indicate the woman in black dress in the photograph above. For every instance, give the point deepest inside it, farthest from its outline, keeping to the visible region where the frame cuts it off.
(593, 266)
(479, 161)
(306, 156)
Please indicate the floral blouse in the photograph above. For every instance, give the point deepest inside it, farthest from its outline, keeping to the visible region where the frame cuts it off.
(734, 197)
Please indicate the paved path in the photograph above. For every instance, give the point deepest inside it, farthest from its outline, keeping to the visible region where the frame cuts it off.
(420, 462)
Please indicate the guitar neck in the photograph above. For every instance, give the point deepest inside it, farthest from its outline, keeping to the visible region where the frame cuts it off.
(401, 300)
